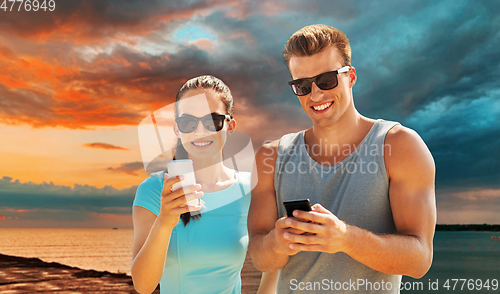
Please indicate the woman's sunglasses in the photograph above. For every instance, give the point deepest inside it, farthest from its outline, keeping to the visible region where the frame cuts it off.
(213, 122)
(324, 81)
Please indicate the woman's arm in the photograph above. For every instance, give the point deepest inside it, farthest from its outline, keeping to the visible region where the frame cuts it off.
(152, 234)
(151, 239)
(268, 283)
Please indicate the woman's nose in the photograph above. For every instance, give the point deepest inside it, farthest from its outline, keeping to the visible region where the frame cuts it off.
(200, 128)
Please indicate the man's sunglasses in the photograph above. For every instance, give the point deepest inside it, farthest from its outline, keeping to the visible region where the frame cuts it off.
(213, 122)
(324, 81)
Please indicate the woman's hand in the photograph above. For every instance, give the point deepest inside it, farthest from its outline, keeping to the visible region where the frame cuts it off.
(173, 204)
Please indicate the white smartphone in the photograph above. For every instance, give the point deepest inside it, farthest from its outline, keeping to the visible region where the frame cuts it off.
(183, 167)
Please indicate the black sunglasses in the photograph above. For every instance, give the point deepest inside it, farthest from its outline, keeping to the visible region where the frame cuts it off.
(324, 81)
(213, 122)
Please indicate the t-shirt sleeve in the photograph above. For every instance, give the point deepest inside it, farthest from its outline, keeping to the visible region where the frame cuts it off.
(148, 195)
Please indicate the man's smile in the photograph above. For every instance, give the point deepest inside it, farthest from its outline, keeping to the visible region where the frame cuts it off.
(322, 107)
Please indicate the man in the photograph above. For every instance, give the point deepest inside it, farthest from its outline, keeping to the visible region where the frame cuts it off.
(371, 183)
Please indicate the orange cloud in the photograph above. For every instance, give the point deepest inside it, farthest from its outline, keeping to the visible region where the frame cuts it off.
(205, 44)
(144, 65)
(103, 146)
(110, 90)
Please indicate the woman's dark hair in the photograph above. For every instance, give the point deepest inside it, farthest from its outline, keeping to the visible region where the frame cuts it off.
(202, 83)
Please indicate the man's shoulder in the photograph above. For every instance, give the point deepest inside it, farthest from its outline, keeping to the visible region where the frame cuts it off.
(405, 148)
(273, 145)
(268, 152)
(401, 136)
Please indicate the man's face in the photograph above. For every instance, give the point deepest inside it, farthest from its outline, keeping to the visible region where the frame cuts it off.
(338, 100)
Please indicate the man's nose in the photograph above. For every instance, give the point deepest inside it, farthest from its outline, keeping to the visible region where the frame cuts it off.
(316, 93)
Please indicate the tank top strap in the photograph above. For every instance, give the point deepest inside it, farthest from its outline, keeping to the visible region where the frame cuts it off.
(378, 138)
(287, 146)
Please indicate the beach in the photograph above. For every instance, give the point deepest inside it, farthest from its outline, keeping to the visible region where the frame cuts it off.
(98, 261)
(30, 275)
(76, 261)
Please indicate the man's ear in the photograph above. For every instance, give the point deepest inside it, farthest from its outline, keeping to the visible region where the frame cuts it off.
(231, 126)
(353, 77)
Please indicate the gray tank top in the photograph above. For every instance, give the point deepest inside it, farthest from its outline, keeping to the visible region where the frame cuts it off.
(356, 190)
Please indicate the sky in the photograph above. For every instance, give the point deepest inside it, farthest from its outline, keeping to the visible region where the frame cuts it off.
(76, 82)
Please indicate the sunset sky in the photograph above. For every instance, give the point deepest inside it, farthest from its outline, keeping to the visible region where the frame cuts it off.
(75, 83)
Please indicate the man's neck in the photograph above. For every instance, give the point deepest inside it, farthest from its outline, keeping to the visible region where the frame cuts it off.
(342, 137)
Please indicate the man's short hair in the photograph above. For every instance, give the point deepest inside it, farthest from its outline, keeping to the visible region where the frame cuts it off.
(314, 38)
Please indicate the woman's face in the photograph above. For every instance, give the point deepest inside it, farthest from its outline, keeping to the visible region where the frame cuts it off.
(202, 143)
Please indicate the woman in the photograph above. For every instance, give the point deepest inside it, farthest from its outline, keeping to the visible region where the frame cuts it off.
(203, 253)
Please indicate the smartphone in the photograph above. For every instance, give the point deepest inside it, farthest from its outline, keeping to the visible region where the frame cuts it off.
(183, 167)
(302, 204)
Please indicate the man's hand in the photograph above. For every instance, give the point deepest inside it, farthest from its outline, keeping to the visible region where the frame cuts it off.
(282, 229)
(324, 231)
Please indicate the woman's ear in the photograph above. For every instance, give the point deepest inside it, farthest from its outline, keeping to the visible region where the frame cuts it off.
(176, 130)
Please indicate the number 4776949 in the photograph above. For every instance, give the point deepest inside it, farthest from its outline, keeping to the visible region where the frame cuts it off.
(28, 5)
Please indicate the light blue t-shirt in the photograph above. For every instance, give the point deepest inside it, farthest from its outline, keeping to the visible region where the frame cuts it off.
(207, 255)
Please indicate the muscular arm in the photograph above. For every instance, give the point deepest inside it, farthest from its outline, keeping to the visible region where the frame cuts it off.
(411, 171)
(263, 214)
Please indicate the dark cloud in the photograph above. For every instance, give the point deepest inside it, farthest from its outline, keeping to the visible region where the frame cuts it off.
(86, 21)
(447, 56)
(464, 140)
(130, 168)
(435, 70)
(48, 205)
(338, 10)
(27, 196)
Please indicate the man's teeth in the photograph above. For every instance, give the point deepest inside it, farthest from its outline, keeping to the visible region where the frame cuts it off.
(322, 106)
(201, 143)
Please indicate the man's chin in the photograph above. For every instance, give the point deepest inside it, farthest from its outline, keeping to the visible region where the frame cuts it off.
(323, 122)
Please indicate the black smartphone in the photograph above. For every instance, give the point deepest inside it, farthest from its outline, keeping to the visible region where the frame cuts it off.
(302, 204)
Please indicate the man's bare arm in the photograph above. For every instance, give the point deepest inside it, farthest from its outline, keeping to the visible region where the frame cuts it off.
(411, 190)
(269, 251)
(411, 171)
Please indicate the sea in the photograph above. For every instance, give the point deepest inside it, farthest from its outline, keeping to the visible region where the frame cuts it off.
(98, 249)
(464, 262)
